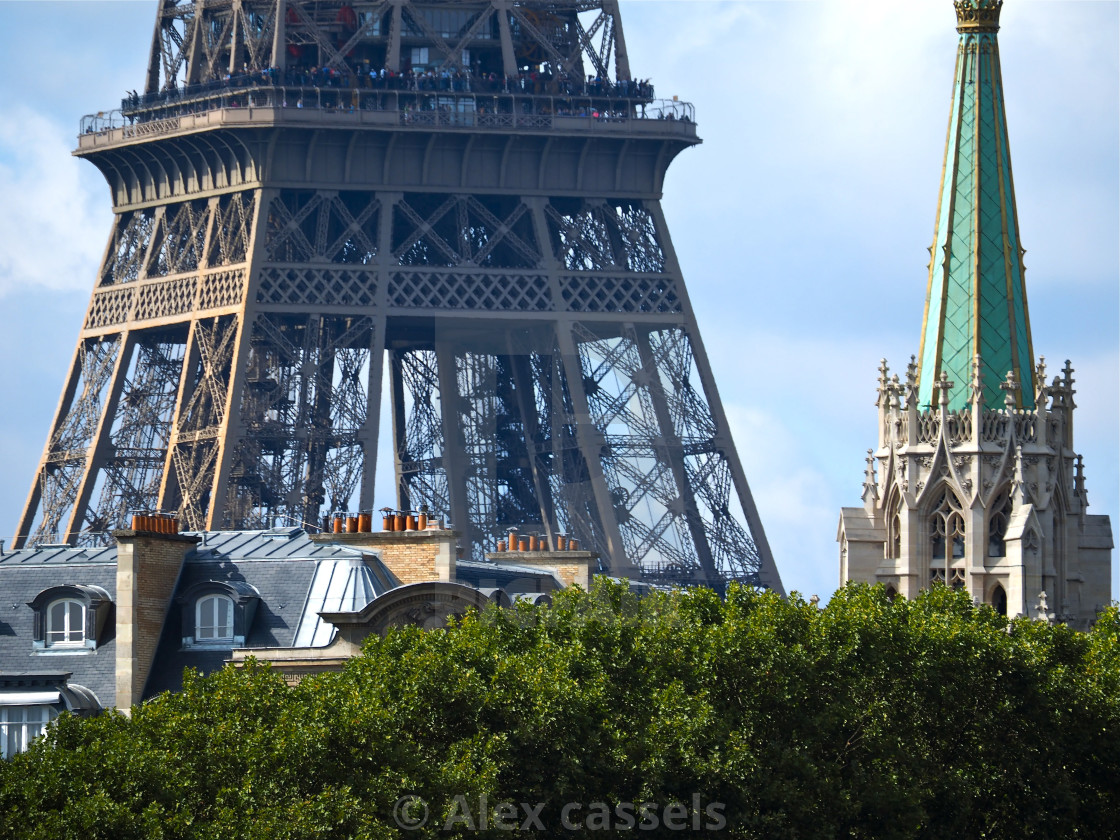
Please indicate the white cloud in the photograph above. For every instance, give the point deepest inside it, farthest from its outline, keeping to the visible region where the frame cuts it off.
(794, 500)
(53, 222)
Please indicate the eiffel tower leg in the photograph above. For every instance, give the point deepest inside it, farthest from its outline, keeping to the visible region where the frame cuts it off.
(401, 460)
(522, 382)
(73, 432)
(98, 449)
(418, 431)
(367, 436)
(126, 468)
(200, 426)
(591, 443)
(456, 461)
(761, 560)
(170, 495)
(670, 448)
(569, 483)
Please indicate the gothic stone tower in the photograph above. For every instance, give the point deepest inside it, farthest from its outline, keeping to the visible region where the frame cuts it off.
(975, 482)
(468, 188)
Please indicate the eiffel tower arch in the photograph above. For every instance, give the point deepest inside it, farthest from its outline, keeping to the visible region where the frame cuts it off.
(454, 206)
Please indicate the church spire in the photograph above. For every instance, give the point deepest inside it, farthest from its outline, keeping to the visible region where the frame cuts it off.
(976, 303)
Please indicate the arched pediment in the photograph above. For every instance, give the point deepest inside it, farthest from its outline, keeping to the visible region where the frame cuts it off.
(428, 604)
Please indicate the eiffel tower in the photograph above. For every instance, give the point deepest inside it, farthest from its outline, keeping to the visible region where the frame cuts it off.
(458, 196)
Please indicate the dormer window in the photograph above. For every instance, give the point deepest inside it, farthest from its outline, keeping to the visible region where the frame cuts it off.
(218, 613)
(66, 623)
(214, 619)
(69, 619)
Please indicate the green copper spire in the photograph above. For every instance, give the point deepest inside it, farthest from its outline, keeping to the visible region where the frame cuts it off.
(976, 304)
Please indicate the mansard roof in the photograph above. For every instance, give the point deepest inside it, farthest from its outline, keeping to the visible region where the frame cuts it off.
(289, 578)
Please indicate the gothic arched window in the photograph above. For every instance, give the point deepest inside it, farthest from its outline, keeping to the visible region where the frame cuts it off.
(894, 527)
(997, 525)
(946, 526)
(999, 600)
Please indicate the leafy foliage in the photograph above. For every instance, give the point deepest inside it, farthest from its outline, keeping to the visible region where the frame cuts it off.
(870, 718)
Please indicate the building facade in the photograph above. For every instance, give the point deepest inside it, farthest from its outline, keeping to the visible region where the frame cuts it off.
(83, 629)
(974, 481)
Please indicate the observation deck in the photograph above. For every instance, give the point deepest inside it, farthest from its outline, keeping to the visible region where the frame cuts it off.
(623, 109)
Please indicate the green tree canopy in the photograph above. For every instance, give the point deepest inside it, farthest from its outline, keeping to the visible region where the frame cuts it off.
(756, 716)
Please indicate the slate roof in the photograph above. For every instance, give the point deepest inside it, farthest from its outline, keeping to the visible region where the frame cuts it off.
(508, 576)
(280, 563)
(295, 577)
(26, 573)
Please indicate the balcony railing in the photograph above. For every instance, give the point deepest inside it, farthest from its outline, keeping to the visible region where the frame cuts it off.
(455, 101)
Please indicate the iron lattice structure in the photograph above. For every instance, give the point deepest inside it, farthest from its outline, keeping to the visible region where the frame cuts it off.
(463, 196)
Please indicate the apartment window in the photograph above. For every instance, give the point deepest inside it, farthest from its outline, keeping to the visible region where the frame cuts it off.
(214, 619)
(217, 613)
(20, 725)
(70, 618)
(66, 623)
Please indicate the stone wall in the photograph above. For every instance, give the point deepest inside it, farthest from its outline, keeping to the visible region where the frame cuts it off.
(148, 566)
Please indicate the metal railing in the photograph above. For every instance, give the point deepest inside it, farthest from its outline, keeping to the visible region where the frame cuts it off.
(146, 116)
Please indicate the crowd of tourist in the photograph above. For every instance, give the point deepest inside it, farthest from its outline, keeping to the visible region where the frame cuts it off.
(544, 82)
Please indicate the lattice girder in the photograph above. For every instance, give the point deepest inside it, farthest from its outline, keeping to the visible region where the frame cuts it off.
(129, 474)
(62, 469)
(544, 367)
(302, 416)
(201, 41)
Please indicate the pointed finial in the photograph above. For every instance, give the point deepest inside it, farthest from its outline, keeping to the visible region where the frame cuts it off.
(1043, 393)
(976, 386)
(1009, 386)
(884, 383)
(912, 382)
(1061, 389)
(1018, 481)
(943, 388)
(870, 492)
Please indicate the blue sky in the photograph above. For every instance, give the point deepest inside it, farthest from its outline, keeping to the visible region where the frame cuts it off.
(801, 223)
